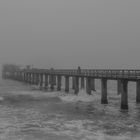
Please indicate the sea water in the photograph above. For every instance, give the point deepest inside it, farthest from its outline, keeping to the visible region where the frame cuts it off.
(27, 113)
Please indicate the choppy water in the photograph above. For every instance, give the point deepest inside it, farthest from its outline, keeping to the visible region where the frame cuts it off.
(30, 114)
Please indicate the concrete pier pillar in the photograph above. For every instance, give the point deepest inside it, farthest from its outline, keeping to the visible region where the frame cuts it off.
(73, 82)
(104, 91)
(30, 78)
(88, 85)
(50, 79)
(76, 86)
(24, 77)
(16, 75)
(27, 80)
(59, 80)
(54, 79)
(51, 82)
(33, 78)
(37, 78)
(46, 81)
(28, 75)
(124, 94)
(82, 83)
(13, 76)
(138, 91)
(92, 84)
(66, 83)
(21, 76)
(41, 80)
(119, 86)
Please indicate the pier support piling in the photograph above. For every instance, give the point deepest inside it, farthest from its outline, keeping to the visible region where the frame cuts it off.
(59, 79)
(82, 83)
(124, 94)
(37, 79)
(88, 85)
(46, 81)
(92, 84)
(51, 82)
(29, 78)
(54, 79)
(104, 91)
(41, 80)
(73, 82)
(76, 86)
(25, 77)
(66, 83)
(138, 91)
(33, 79)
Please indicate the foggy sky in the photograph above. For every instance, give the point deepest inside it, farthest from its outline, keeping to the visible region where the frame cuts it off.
(68, 33)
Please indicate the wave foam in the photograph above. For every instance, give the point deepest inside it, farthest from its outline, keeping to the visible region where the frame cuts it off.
(82, 96)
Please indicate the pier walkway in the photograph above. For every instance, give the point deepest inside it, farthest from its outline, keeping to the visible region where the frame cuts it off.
(81, 78)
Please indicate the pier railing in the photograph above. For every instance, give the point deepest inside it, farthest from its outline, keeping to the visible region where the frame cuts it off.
(97, 73)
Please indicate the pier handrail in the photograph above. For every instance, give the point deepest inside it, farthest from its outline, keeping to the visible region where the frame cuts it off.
(98, 73)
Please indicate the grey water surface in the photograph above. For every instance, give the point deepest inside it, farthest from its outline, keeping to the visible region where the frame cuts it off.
(27, 113)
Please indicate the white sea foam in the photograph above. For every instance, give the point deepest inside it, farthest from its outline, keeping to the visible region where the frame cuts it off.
(82, 96)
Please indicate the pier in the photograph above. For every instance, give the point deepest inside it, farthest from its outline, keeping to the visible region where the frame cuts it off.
(81, 78)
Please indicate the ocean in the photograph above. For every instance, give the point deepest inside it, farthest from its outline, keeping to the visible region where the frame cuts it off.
(28, 113)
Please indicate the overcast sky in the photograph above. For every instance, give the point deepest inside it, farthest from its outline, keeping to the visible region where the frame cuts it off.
(68, 33)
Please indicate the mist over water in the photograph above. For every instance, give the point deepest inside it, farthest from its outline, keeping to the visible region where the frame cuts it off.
(31, 114)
